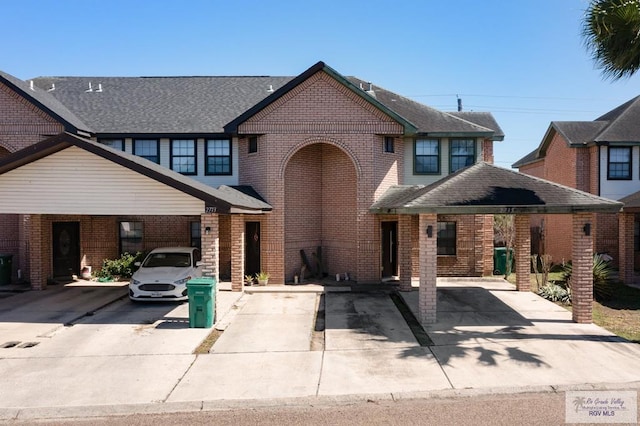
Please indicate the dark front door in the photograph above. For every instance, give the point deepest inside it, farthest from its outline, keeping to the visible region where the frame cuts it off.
(389, 249)
(252, 248)
(66, 249)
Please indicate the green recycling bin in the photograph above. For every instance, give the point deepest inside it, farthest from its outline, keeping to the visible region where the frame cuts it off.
(202, 302)
(500, 260)
(5, 268)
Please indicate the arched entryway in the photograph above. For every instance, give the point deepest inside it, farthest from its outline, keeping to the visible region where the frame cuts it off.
(320, 183)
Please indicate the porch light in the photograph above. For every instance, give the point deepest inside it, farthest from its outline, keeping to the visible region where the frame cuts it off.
(586, 229)
(429, 231)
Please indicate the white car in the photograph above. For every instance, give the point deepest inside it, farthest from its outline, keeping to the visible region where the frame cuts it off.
(164, 273)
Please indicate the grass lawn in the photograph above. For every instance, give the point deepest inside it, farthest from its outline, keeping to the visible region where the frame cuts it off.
(620, 314)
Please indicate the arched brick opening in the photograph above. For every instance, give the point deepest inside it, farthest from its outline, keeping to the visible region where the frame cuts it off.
(321, 209)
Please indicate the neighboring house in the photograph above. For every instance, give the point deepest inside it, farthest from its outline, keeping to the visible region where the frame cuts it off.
(256, 171)
(601, 157)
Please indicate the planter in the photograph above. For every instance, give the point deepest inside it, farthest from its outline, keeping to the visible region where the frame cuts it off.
(263, 282)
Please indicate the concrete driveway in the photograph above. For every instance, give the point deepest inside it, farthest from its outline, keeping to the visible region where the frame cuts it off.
(297, 342)
(488, 335)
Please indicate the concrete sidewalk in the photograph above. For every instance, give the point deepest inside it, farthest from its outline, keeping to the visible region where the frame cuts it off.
(488, 339)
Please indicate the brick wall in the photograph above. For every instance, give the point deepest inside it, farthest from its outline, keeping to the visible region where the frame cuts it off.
(321, 121)
(21, 123)
(575, 168)
(99, 238)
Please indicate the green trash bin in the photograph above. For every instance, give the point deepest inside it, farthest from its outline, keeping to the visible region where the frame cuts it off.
(500, 260)
(202, 302)
(5, 268)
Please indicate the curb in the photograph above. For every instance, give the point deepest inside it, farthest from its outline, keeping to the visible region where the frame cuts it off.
(94, 411)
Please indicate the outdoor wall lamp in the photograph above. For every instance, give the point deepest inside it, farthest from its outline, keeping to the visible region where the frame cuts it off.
(207, 230)
(587, 229)
(429, 231)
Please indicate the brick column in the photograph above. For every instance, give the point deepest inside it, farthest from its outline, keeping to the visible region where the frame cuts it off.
(36, 254)
(483, 245)
(523, 252)
(428, 268)
(625, 247)
(210, 235)
(582, 269)
(405, 246)
(237, 252)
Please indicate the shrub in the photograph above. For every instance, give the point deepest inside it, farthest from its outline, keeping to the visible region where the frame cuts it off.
(123, 267)
(602, 277)
(555, 293)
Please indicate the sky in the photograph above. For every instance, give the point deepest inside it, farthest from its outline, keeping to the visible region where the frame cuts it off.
(522, 60)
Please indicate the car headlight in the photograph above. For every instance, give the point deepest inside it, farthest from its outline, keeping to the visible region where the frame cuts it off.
(136, 282)
(182, 281)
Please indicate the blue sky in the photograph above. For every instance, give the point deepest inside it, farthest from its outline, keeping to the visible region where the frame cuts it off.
(522, 60)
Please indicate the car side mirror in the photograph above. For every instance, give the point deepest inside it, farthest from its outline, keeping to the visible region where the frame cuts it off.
(199, 263)
(137, 264)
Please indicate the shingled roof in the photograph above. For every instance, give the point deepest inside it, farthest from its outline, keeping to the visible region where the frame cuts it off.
(204, 105)
(621, 124)
(487, 189)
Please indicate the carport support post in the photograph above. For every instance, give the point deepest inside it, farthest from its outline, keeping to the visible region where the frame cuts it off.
(523, 252)
(625, 248)
(405, 247)
(582, 268)
(209, 224)
(428, 268)
(237, 252)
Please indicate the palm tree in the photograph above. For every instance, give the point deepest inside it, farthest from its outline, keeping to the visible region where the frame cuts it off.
(611, 33)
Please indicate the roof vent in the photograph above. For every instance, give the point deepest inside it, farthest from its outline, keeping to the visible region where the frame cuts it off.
(270, 89)
(90, 89)
(52, 88)
(99, 90)
(370, 90)
(31, 85)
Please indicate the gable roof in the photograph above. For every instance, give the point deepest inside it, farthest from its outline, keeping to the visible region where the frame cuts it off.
(45, 102)
(222, 200)
(112, 106)
(622, 124)
(232, 127)
(487, 189)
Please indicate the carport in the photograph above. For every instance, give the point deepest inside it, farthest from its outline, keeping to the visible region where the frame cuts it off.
(67, 175)
(485, 189)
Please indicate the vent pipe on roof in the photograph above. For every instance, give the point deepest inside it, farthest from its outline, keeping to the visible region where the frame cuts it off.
(52, 88)
(90, 89)
(370, 91)
(270, 89)
(99, 88)
(31, 85)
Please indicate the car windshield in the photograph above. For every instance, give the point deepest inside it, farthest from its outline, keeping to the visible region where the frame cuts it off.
(176, 260)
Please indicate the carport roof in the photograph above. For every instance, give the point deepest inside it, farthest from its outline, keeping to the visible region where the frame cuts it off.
(225, 199)
(487, 189)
